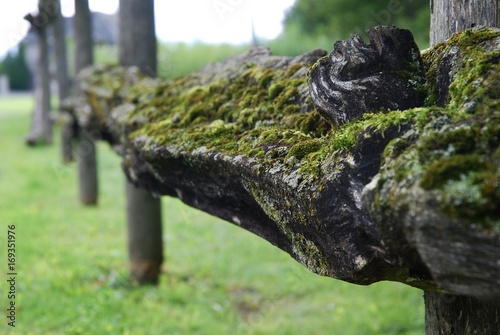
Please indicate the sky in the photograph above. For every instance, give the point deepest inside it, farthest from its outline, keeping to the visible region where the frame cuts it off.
(210, 21)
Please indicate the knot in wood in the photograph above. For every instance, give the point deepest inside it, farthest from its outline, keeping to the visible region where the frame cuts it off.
(358, 78)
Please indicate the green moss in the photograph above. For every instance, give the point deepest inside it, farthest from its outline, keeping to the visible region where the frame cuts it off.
(395, 148)
(302, 149)
(317, 64)
(346, 136)
(472, 38)
(275, 90)
(311, 123)
(263, 110)
(309, 255)
(475, 196)
(304, 250)
(476, 64)
(263, 114)
(266, 79)
(476, 89)
(292, 70)
(452, 151)
(451, 168)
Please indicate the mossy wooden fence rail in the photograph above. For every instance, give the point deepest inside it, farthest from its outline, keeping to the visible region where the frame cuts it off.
(373, 163)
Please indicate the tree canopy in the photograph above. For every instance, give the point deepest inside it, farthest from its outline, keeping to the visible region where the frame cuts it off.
(14, 66)
(339, 19)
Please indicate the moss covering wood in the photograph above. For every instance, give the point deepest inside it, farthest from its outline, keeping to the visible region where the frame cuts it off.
(454, 153)
(251, 120)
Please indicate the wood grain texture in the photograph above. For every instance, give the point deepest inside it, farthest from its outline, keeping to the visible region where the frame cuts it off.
(452, 16)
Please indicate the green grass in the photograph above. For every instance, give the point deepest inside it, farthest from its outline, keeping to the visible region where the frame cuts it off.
(217, 279)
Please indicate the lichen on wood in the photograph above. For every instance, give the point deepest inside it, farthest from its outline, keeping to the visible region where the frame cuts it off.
(436, 198)
(370, 198)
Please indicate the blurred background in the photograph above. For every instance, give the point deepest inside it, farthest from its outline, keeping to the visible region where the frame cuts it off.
(192, 33)
(217, 278)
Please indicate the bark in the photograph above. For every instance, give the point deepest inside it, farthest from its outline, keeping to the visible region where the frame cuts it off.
(145, 243)
(137, 47)
(87, 167)
(137, 38)
(67, 134)
(452, 16)
(84, 47)
(404, 195)
(61, 55)
(41, 130)
(42, 124)
(458, 315)
(86, 150)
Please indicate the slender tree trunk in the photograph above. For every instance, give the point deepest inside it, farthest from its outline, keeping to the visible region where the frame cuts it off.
(42, 124)
(86, 149)
(63, 83)
(445, 314)
(61, 55)
(41, 130)
(137, 40)
(84, 46)
(137, 46)
(452, 16)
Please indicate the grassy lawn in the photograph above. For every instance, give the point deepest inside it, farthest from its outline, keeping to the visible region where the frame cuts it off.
(218, 279)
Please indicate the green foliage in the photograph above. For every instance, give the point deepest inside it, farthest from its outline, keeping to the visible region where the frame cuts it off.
(338, 19)
(294, 42)
(218, 278)
(14, 66)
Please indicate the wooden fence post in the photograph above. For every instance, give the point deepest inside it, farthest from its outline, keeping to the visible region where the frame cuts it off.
(451, 16)
(446, 314)
(137, 47)
(86, 149)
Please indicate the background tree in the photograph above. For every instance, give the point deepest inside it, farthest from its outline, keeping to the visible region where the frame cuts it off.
(137, 47)
(63, 83)
(41, 129)
(338, 19)
(86, 149)
(84, 46)
(15, 67)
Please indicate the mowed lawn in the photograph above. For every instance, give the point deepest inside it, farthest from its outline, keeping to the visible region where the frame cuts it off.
(217, 279)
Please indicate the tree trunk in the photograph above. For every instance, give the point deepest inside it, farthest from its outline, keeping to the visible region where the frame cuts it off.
(137, 40)
(67, 133)
(84, 47)
(61, 55)
(457, 315)
(84, 56)
(452, 16)
(87, 167)
(137, 46)
(41, 129)
(43, 123)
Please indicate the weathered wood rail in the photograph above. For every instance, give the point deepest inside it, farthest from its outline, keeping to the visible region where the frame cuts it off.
(373, 163)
